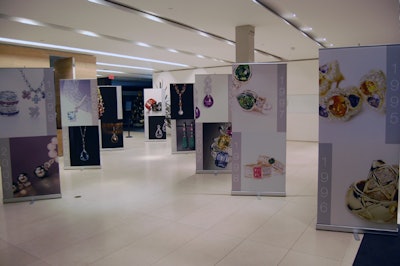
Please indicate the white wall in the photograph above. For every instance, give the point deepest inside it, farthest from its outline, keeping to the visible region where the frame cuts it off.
(303, 94)
(302, 91)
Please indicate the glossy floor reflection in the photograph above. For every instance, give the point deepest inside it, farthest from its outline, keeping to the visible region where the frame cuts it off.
(146, 206)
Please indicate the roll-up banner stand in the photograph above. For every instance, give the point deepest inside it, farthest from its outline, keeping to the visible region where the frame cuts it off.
(359, 137)
(155, 125)
(258, 112)
(28, 135)
(80, 123)
(111, 117)
(213, 127)
(183, 128)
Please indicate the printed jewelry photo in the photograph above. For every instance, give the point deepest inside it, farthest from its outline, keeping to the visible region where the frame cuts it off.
(180, 92)
(249, 101)
(100, 104)
(34, 94)
(84, 156)
(241, 75)
(375, 199)
(264, 167)
(184, 136)
(158, 134)
(153, 105)
(114, 137)
(328, 74)
(340, 104)
(191, 137)
(373, 88)
(208, 100)
(26, 180)
(113, 129)
(78, 99)
(8, 103)
(41, 171)
(221, 149)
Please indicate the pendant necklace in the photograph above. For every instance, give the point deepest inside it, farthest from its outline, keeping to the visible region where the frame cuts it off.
(114, 137)
(84, 154)
(78, 98)
(208, 99)
(159, 133)
(180, 93)
(38, 93)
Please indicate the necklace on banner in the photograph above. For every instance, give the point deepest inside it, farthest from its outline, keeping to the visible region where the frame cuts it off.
(208, 100)
(35, 94)
(180, 92)
(84, 156)
(78, 99)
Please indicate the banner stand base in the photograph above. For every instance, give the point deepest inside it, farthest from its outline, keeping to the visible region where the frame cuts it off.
(360, 230)
(252, 193)
(32, 199)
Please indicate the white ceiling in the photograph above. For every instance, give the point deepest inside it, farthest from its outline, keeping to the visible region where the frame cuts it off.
(122, 25)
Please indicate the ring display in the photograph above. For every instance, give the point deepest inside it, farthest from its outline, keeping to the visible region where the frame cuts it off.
(250, 101)
(375, 199)
(342, 103)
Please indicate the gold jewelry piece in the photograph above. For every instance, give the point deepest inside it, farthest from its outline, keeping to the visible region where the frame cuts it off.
(113, 129)
(328, 74)
(340, 104)
(373, 88)
(376, 198)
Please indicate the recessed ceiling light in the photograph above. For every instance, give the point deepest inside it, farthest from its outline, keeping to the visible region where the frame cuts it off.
(142, 44)
(153, 18)
(204, 34)
(306, 29)
(88, 33)
(172, 50)
(27, 21)
(289, 15)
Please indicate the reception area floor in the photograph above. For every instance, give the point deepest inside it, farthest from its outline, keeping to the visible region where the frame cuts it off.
(147, 206)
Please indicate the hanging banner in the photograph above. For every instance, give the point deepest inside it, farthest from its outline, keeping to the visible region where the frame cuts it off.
(111, 117)
(28, 135)
(359, 136)
(258, 111)
(154, 114)
(80, 127)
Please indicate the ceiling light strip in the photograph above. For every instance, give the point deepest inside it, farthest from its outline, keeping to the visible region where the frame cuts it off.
(145, 14)
(93, 34)
(124, 66)
(270, 9)
(80, 50)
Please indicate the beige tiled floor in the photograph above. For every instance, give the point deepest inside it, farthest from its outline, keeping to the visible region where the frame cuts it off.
(146, 206)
